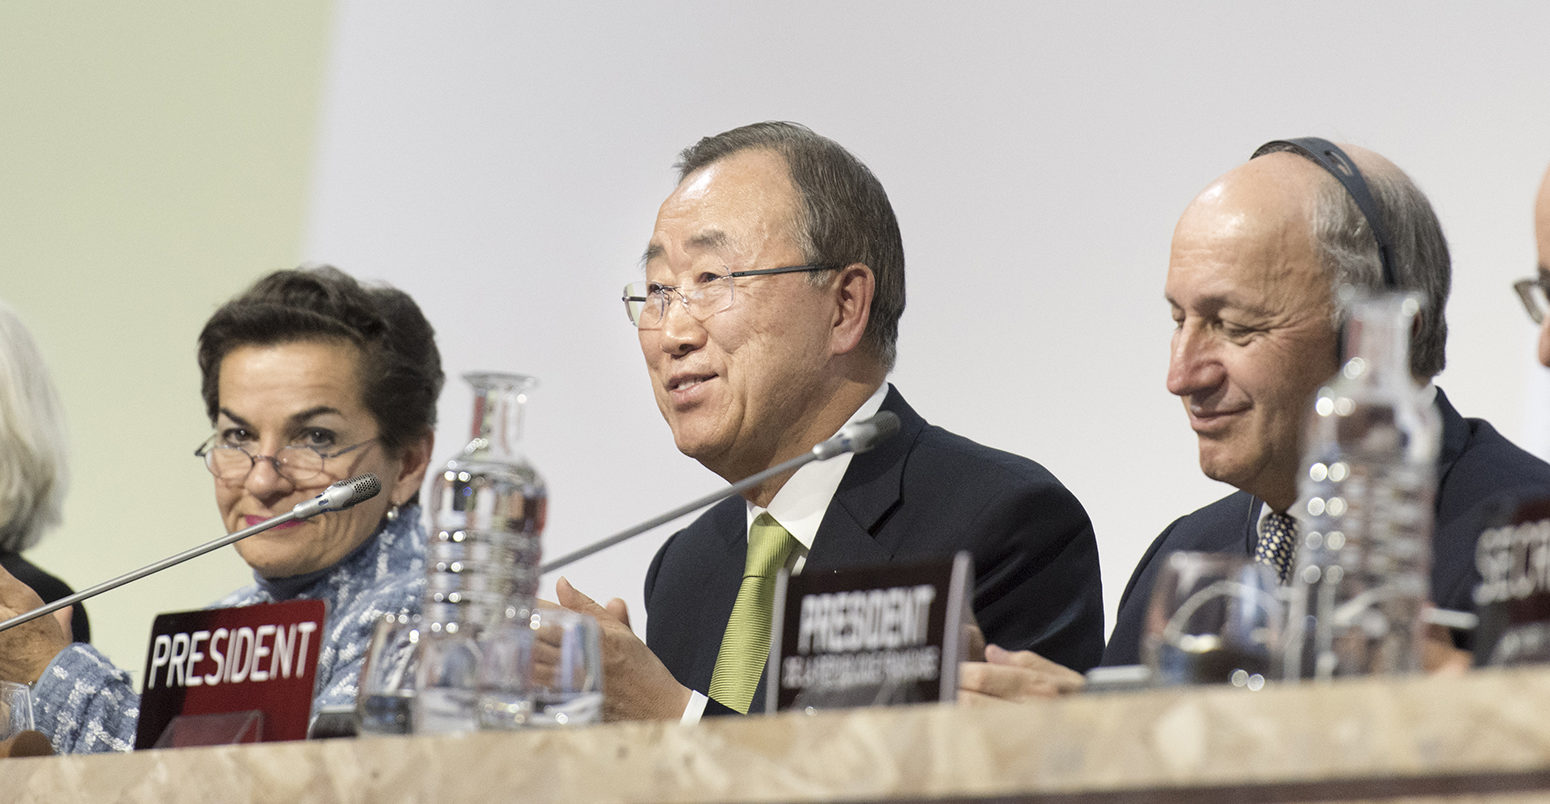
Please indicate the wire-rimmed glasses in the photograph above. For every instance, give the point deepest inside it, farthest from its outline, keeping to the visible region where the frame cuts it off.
(1534, 292)
(646, 303)
(298, 463)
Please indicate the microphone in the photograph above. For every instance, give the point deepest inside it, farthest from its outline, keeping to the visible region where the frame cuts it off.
(858, 437)
(336, 497)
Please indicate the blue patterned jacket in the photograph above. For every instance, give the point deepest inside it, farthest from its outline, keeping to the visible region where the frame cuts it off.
(85, 704)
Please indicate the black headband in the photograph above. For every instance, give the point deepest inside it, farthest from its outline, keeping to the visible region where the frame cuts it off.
(1328, 155)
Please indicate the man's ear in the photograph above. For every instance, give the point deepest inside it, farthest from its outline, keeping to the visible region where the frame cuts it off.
(853, 287)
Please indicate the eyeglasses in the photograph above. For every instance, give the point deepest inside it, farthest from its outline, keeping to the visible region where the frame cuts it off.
(297, 463)
(1535, 293)
(646, 303)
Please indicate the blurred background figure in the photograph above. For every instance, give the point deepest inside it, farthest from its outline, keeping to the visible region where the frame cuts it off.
(1535, 291)
(33, 464)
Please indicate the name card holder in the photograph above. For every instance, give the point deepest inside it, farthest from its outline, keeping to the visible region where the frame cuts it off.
(224, 728)
(878, 636)
(1513, 597)
(225, 676)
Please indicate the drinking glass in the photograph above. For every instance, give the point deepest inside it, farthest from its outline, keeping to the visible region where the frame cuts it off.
(1214, 618)
(505, 673)
(566, 674)
(385, 698)
(15, 709)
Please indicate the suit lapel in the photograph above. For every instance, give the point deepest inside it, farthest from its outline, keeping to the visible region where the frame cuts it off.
(869, 491)
(1455, 436)
(1251, 523)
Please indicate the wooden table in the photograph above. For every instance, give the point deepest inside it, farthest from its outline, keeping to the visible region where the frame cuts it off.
(1484, 736)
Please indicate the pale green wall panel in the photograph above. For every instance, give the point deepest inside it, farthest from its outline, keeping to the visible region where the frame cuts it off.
(154, 159)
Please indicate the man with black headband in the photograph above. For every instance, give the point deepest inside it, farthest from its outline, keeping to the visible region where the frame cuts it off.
(1251, 277)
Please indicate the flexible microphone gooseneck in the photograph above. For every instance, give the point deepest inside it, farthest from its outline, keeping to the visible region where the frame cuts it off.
(858, 437)
(336, 497)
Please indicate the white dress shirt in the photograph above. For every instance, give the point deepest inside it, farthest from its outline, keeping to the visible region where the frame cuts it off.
(799, 507)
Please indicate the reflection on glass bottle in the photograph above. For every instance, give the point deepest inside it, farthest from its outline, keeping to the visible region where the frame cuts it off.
(506, 693)
(446, 680)
(385, 698)
(487, 516)
(1366, 504)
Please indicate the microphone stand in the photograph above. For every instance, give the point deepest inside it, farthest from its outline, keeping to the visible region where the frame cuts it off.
(858, 437)
(148, 569)
(716, 496)
(336, 497)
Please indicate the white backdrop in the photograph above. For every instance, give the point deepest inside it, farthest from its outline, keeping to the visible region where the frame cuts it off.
(503, 163)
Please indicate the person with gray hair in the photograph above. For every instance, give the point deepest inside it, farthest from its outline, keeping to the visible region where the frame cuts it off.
(1256, 259)
(33, 464)
(1252, 277)
(767, 316)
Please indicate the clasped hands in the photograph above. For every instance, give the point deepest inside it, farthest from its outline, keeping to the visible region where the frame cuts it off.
(636, 685)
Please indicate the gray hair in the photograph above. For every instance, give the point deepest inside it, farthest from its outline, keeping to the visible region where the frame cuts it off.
(845, 216)
(1420, 252)
(33, 472)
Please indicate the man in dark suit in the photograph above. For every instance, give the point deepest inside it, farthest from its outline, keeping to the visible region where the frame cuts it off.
(1251, 277)
(768, 319)
(1254, 261)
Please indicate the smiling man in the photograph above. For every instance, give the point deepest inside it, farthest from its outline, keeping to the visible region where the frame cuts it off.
(1251, 278)
(768, 317)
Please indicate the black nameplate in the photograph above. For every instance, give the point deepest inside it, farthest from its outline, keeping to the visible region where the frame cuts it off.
(878, 636)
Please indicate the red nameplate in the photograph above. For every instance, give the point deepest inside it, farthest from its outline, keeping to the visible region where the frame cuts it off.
(254, 659)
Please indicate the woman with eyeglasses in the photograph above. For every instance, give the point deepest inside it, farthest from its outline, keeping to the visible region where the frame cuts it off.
(309, 377)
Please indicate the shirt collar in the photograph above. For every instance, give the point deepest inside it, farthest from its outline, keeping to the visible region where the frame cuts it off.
(1264, 511)
(800, 504)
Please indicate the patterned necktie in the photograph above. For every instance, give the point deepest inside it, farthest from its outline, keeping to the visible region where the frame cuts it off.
(1277, 543)
(746, 645)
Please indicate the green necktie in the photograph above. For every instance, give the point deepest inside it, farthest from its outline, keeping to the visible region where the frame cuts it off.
(746, 645)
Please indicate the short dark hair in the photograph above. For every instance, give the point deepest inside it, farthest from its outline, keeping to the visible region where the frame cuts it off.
(400, 366)
(845, 215)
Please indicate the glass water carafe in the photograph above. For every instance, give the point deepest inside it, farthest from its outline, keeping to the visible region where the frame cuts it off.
(1366, 504)
(482, 563)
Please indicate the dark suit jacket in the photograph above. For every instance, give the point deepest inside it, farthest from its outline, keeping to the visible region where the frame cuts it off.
(924, 493)
(1477, 469)
(50, 589)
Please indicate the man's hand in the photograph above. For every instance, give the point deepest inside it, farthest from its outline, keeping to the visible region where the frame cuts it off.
(636, 685)
(976, 642)
(26, 650)
(1439, 657)
(1014, 676)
